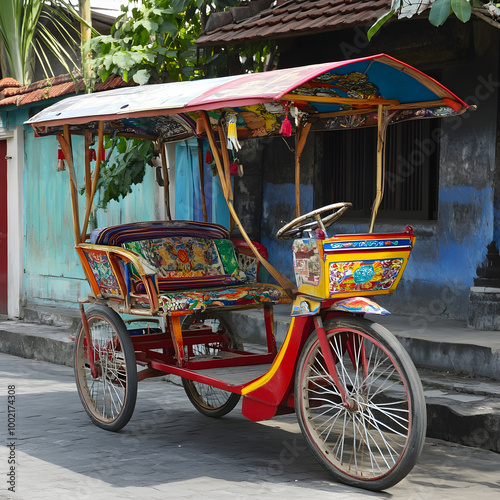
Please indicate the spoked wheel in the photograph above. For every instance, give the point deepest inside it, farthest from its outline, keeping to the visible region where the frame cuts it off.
(372, 438)
(208, 400)
(109, 395)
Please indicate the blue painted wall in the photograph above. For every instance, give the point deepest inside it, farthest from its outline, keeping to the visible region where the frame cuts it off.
(53, 274)
(448, 250)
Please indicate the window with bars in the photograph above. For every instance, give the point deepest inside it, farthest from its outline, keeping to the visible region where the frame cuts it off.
(412, 169)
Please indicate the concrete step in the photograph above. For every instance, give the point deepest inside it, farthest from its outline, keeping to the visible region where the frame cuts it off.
(462, 409)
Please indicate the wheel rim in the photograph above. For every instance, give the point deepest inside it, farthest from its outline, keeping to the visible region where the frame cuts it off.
(207, 396)
(366, 436)
(104, 396)
(211, 401)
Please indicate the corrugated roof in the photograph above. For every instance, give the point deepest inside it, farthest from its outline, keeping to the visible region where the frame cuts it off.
(292, 18)
(11, 92)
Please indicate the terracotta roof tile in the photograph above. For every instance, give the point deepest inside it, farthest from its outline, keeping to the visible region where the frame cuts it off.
(295, 17)
(49, 89)
(8, 82)
(8, 100)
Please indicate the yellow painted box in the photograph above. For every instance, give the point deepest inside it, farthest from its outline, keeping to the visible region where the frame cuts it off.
(351, 264)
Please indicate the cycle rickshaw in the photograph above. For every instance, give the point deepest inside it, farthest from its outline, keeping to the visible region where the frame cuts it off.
(357, 395)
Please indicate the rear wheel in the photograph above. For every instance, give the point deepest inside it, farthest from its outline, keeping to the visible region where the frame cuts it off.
(372, 439)
(208, 400)
(110, 394)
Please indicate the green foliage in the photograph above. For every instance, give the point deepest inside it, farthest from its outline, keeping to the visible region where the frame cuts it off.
(127, 168)
(439, 12)
(379, 23)
(462, 9)
(153, 43)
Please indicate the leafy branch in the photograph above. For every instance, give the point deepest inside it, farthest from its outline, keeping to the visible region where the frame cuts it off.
(127, 168)
(439, 11)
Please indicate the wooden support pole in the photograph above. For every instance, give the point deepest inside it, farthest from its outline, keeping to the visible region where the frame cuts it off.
(88, 175)
(287, 285)
(65, 143)
(300, 142)
(381, 136)
(215, 152)
(88, 208)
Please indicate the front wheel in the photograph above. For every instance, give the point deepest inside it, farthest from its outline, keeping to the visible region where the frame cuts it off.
(108, 395)
(373, 438)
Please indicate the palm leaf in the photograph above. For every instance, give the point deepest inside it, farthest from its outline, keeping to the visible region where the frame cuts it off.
(32, 29)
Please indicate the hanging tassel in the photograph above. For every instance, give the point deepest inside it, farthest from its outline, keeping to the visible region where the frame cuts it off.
(92, 155)
(286, 126)
(103, 154)
(232, 133)
(60, 160)
(236, 168)
(208, 157)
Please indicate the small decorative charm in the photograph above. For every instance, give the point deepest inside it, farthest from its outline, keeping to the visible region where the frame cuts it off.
(236, 168)
(232, 133)
(286, 126)
(92, 154)
(208, 157)
(60, 160)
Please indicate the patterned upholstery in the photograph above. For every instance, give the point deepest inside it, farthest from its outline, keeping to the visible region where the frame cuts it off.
(195, 262)
(239, 296)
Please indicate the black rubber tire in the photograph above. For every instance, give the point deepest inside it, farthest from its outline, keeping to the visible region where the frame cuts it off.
(117, 371)
(208, 400)
(375, 442)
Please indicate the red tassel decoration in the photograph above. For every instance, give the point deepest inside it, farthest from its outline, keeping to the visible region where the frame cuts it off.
(208, 157)
(103, 154)
(233, 168)
(92, 155)
(60, 160)
(286, 126)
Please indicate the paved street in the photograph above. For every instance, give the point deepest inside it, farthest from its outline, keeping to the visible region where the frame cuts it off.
(168, 450)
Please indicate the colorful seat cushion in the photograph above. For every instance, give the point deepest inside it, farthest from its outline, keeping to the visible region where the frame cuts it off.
(117, 235)
(184, 254)
(213, 298)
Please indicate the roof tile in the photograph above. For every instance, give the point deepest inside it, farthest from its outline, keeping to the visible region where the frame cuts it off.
(49, 89)
(8, 82)
(297, 16)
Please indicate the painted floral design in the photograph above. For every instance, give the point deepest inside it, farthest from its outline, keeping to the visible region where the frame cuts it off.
(363, 276)
(101, 269)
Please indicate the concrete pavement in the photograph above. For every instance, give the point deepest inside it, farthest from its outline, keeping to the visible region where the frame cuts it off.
(169, 450)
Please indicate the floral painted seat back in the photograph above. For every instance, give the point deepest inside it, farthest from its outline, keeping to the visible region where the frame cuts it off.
(184, 254)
